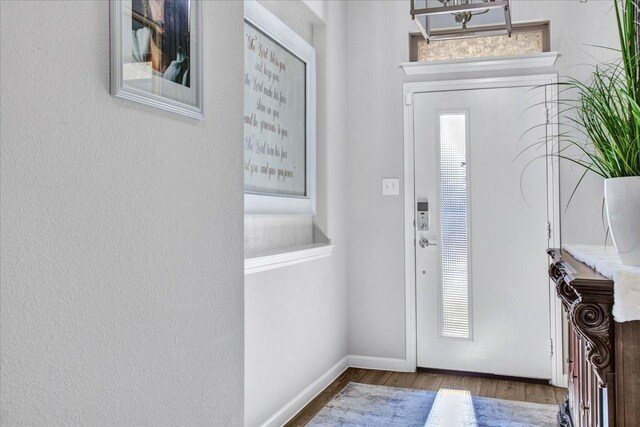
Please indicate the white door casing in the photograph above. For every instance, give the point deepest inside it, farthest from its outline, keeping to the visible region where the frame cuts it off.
(492, 323)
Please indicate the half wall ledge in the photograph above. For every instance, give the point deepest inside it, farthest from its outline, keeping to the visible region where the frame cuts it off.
(278, 258)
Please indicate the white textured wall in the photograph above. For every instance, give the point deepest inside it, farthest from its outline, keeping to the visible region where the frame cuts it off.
(122, 297)
(266, 232)
(377, 44)
(295, 317)
(575, 29)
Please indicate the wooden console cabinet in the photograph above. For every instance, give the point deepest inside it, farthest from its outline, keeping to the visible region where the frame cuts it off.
(603, 363)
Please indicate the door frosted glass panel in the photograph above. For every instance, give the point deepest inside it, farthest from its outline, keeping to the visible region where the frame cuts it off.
(454, 236)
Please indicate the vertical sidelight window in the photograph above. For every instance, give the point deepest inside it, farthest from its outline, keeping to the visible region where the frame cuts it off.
(454, 232)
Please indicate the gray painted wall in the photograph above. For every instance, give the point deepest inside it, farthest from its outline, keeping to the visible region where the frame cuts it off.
(122, 296)
(122, 287)
(377, 44)
(296, 317)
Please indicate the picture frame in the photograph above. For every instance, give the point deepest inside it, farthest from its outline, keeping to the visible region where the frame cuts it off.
(275, 184)
(156, 54)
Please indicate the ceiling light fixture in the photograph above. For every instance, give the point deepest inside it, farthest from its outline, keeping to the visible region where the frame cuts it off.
(433, 15)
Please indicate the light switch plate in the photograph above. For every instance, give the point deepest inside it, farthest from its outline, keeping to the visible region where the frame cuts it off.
(390, 186)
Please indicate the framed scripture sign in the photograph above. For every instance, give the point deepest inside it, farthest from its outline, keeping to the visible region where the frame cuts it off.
(156, 53)
(279, 117)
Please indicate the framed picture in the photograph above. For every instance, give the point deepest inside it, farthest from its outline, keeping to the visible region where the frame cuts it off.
(156, 53)
(279, 117)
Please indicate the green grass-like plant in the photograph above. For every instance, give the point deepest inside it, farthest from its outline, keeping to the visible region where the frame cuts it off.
(606, 119)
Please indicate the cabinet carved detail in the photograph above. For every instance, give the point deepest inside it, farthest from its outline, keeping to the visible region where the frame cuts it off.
(565, 292)
(593, 323)
(589, 312)
(555, 271)
(603, 355)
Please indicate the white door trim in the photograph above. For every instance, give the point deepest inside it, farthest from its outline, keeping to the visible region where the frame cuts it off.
(553, 190)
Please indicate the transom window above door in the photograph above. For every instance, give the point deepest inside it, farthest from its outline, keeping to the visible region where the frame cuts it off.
(457, 44)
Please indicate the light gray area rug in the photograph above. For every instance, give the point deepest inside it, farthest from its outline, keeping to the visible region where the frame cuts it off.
(370, 405)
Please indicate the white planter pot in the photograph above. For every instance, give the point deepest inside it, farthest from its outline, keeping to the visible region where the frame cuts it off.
(622, 199)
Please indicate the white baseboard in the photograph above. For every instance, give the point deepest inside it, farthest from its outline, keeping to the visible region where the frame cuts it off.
(293, 406)
(380, 363)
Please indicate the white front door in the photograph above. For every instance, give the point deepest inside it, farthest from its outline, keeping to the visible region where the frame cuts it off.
(481, 278)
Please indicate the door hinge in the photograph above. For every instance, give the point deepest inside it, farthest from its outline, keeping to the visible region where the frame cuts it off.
(551, 342)
(548, 230)
(408, 99)
(547, 118)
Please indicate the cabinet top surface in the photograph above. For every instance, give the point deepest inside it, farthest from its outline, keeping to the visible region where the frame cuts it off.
(577, 271)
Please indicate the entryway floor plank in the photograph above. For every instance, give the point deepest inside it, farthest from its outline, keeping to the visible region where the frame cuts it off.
(455, 382)
(483, 387)
(511, 390)
(401, 379)
(538, 393)
(375, 377)
(560, 395)
(426, 381)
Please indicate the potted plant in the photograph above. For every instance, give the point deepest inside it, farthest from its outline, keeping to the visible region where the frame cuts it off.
(607, 117)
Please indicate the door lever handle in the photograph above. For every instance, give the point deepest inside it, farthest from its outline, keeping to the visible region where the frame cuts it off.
(424, 242)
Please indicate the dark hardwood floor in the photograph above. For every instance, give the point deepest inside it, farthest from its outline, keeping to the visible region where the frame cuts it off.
(499, 389)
